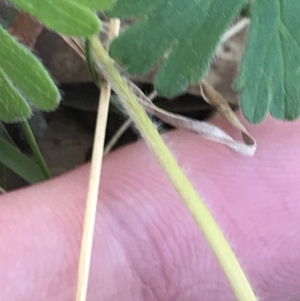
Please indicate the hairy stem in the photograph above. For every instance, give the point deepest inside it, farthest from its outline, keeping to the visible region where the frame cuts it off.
(194, 203)
(35, 149)
(124, 127)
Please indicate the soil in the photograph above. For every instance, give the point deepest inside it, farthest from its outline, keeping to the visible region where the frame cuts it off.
(67, 140)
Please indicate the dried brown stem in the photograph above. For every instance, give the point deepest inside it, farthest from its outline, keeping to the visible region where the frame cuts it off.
(92, 198)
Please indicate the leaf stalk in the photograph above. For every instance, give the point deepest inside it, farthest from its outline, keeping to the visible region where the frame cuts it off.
(35, 149)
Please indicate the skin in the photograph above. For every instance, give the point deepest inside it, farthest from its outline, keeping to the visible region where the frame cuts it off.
(147, 247)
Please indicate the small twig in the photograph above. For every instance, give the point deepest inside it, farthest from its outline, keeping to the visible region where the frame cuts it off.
(123, 128)
(35, 148)
(6, 134)
(92, 198)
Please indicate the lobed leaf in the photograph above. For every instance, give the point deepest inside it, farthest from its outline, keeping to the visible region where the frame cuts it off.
(14, 159)
(68, 17)
(188, 31)
(27, 72)
(13, 107)
(269, 77)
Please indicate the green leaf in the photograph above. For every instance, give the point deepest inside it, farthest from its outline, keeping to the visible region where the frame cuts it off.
(27, 72)
(13, 107)
(270, 73)
(14, 159)
(68, 17)
(188, 31)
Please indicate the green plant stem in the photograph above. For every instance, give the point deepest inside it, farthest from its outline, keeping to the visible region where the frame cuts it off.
(35, 148)
(196, 206)
(90, 62)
